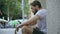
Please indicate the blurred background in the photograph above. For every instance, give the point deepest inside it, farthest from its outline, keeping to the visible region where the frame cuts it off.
(13, 11)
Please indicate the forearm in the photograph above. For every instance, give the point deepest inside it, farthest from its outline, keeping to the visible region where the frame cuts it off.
(27, 24)
(23, 24)
(31, 21)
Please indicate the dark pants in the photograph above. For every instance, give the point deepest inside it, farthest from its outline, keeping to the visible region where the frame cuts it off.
(37, 31)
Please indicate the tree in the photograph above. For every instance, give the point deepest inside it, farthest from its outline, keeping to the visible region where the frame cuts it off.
(14, 8)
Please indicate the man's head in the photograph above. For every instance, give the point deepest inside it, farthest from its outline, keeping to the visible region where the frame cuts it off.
(35, 6)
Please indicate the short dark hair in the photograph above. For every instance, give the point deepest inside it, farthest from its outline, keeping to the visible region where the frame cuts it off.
(34, 3)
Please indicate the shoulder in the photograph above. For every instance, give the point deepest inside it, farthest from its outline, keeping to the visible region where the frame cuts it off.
(41, 13)
(42, 10)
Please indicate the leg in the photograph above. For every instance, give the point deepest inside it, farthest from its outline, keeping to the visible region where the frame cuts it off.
(37, 31)
(27, 30)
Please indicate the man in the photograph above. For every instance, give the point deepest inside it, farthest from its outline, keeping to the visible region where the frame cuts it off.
(37, 23)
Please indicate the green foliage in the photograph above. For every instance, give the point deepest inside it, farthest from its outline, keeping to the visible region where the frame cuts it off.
(14, 8)
(26, 8)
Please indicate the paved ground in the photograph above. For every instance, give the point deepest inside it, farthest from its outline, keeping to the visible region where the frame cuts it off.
(9, 31)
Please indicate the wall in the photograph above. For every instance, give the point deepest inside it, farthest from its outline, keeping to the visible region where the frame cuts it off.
(53, 16)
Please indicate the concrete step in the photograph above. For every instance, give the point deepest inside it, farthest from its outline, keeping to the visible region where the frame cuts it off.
(9, 31)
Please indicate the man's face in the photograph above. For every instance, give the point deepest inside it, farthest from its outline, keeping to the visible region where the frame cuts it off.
(34, 9)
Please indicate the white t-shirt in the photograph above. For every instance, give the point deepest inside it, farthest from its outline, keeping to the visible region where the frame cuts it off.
(41, 23)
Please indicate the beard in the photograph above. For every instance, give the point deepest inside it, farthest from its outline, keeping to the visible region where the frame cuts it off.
(35, 12)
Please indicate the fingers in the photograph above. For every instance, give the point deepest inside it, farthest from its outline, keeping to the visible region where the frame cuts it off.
(17, 29)
(15, 32)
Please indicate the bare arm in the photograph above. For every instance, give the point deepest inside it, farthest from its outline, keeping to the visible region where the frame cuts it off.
(31, 21)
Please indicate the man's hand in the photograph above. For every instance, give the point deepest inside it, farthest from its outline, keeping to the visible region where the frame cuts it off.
(17, 28)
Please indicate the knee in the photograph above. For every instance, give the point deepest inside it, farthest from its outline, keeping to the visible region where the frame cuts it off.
(24, 28)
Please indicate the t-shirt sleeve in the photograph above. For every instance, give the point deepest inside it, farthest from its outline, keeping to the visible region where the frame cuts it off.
(41, 13)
